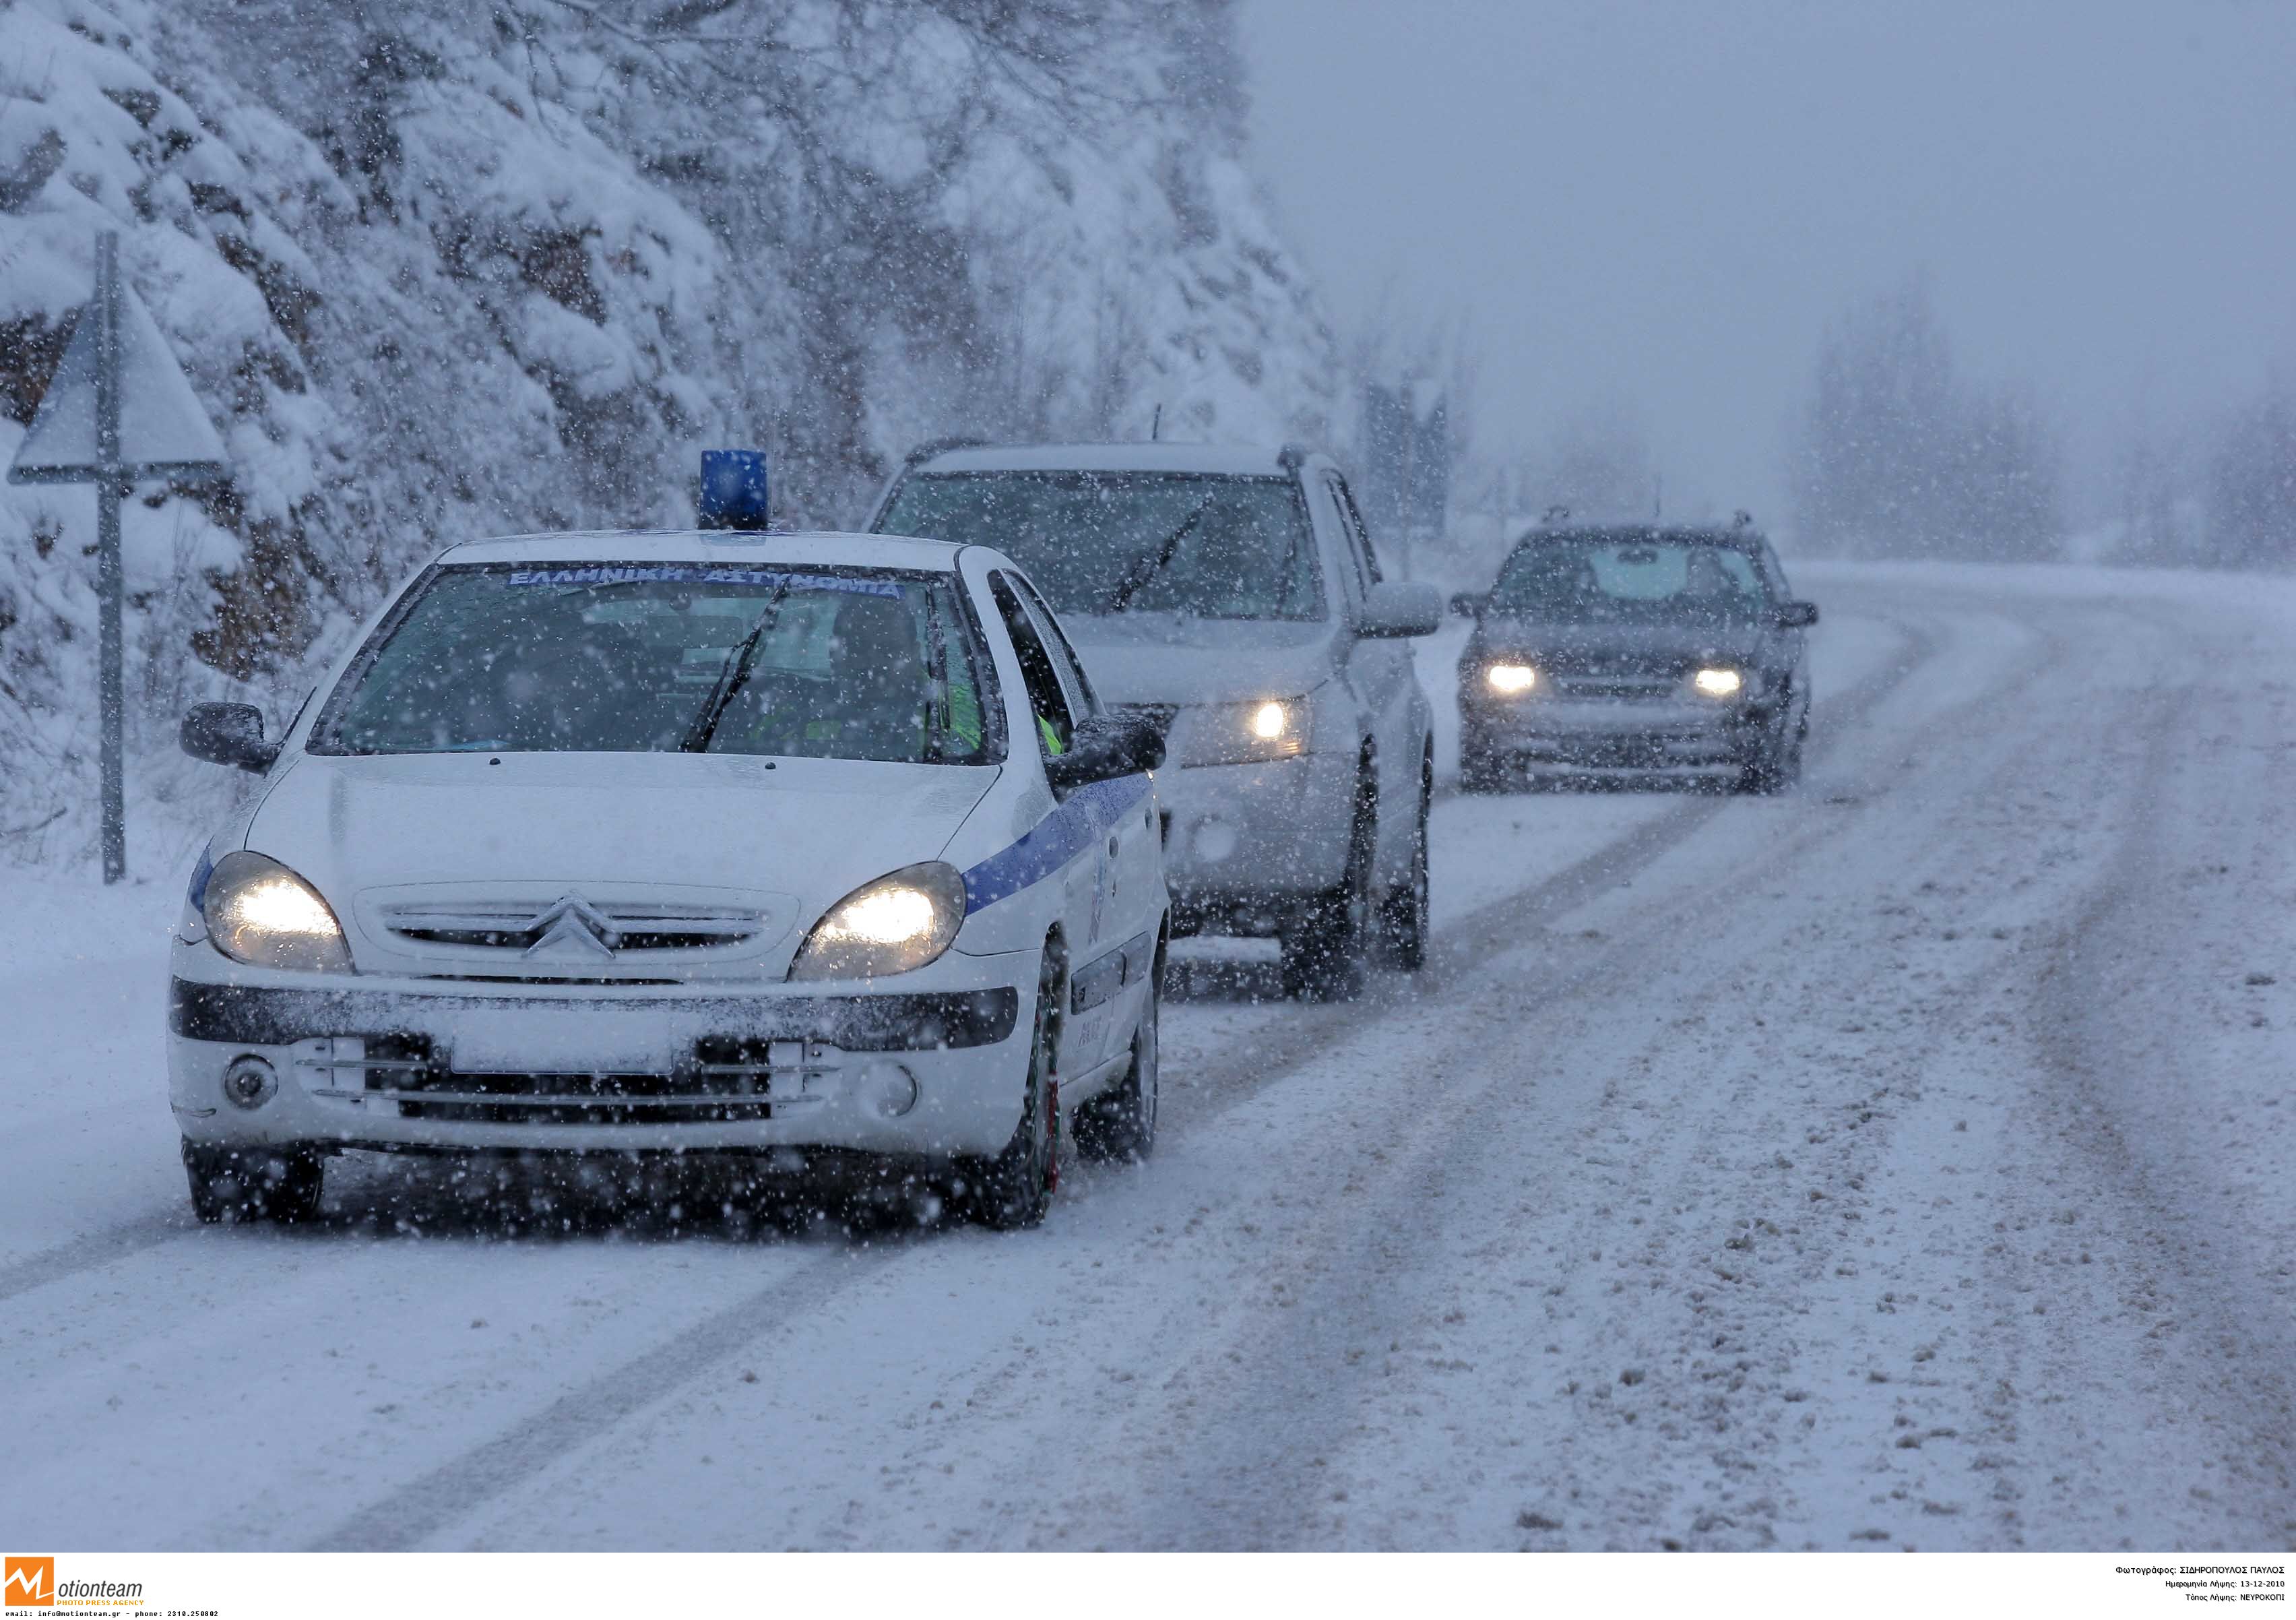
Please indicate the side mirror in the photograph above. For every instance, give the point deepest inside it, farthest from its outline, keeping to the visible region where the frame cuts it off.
(1105, 748)
(1797, 615)
(227, 734)
(1400, 607)
(1470, 604)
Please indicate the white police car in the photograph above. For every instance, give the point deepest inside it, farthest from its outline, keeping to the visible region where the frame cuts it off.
(813, 848)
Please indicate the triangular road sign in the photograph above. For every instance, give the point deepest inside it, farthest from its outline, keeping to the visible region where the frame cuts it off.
(162, 428)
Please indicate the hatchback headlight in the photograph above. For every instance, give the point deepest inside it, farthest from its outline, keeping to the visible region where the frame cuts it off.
(1719, 682)
(900, 922)
(258, 912)
(1245, 733)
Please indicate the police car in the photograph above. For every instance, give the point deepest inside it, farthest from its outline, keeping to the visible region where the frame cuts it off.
(813, 848)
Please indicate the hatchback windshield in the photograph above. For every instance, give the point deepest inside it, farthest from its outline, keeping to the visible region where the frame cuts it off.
(1199, 546)
(619, 659)
(1610, 577)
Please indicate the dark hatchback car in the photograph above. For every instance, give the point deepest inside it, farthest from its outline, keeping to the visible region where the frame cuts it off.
(1674, 651)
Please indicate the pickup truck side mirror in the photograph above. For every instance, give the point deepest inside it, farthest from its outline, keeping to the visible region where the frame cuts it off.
(1797, 615)
(1400, 607)
(227, 734)
(1105, 747)
(1470, 604)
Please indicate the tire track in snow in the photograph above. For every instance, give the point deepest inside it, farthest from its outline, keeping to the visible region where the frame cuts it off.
(1736, 1486)
(93, 1251)
(2227, 1353)
(1257, 1500)
(418, 1509)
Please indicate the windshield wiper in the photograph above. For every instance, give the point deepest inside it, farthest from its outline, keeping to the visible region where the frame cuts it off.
(731, 678)
(1149, 564)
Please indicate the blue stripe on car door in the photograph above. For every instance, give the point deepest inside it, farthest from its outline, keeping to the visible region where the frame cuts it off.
(1049, 846)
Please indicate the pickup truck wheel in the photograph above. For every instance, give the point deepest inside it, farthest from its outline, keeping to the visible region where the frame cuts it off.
(1328, 941)
(1014, 1190)
(1119, 1126)
(248, 1184)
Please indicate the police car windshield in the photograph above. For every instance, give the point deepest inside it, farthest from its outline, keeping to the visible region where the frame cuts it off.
(1198, 544)
(1568, 578)
(627, 657)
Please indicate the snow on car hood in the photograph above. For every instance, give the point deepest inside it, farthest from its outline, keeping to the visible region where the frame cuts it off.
(706, 836)
(1162, 658)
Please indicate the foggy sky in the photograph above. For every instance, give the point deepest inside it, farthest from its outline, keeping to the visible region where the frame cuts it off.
(1662, 205)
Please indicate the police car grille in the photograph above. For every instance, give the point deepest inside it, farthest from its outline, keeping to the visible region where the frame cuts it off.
(509, 926)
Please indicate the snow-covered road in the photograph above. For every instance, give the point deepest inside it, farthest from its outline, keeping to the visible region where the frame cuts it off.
(1902, 1162)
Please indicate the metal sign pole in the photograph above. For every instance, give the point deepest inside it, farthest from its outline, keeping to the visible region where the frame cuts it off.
(111, 484)
(79, 437)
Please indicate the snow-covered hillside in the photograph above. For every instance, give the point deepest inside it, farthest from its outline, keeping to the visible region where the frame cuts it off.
(439, 270)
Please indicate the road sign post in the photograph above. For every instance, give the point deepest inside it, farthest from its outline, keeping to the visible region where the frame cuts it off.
(82, 435)
(111, 585)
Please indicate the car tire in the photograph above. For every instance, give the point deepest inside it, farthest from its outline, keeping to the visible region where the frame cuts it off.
(1327, 944)
(1119, 1126)
(1014, 1190)
(253, 1183)
(1790, 768)
(1403, 923)
(1775, 765)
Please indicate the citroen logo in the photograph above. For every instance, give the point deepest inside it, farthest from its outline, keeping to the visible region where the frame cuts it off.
(573, 921)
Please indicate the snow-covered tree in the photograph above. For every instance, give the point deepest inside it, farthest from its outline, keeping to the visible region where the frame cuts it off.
(1897, 458)
(2252, 483)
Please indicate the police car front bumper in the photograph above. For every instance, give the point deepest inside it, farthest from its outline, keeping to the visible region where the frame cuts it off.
(279, 1059)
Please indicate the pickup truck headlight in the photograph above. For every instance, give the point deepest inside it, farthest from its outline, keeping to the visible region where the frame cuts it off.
(1511, 678)
(258, 912)
(898, 923)
(1244, 734)
(1717, 681)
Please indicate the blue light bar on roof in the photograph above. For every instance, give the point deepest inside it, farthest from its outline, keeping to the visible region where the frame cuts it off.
(733, 490)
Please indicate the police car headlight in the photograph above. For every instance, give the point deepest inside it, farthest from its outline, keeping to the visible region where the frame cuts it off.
(1244, 734)
(258, 912)
(900, 922)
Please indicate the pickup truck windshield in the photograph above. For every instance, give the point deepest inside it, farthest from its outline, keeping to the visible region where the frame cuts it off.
(1203, 546)
(646, 657)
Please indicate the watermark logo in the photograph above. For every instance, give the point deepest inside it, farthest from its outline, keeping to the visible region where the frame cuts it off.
(30, 1583)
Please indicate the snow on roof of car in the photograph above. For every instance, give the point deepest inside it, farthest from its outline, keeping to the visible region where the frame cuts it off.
(1160, 456)
(727, 545)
